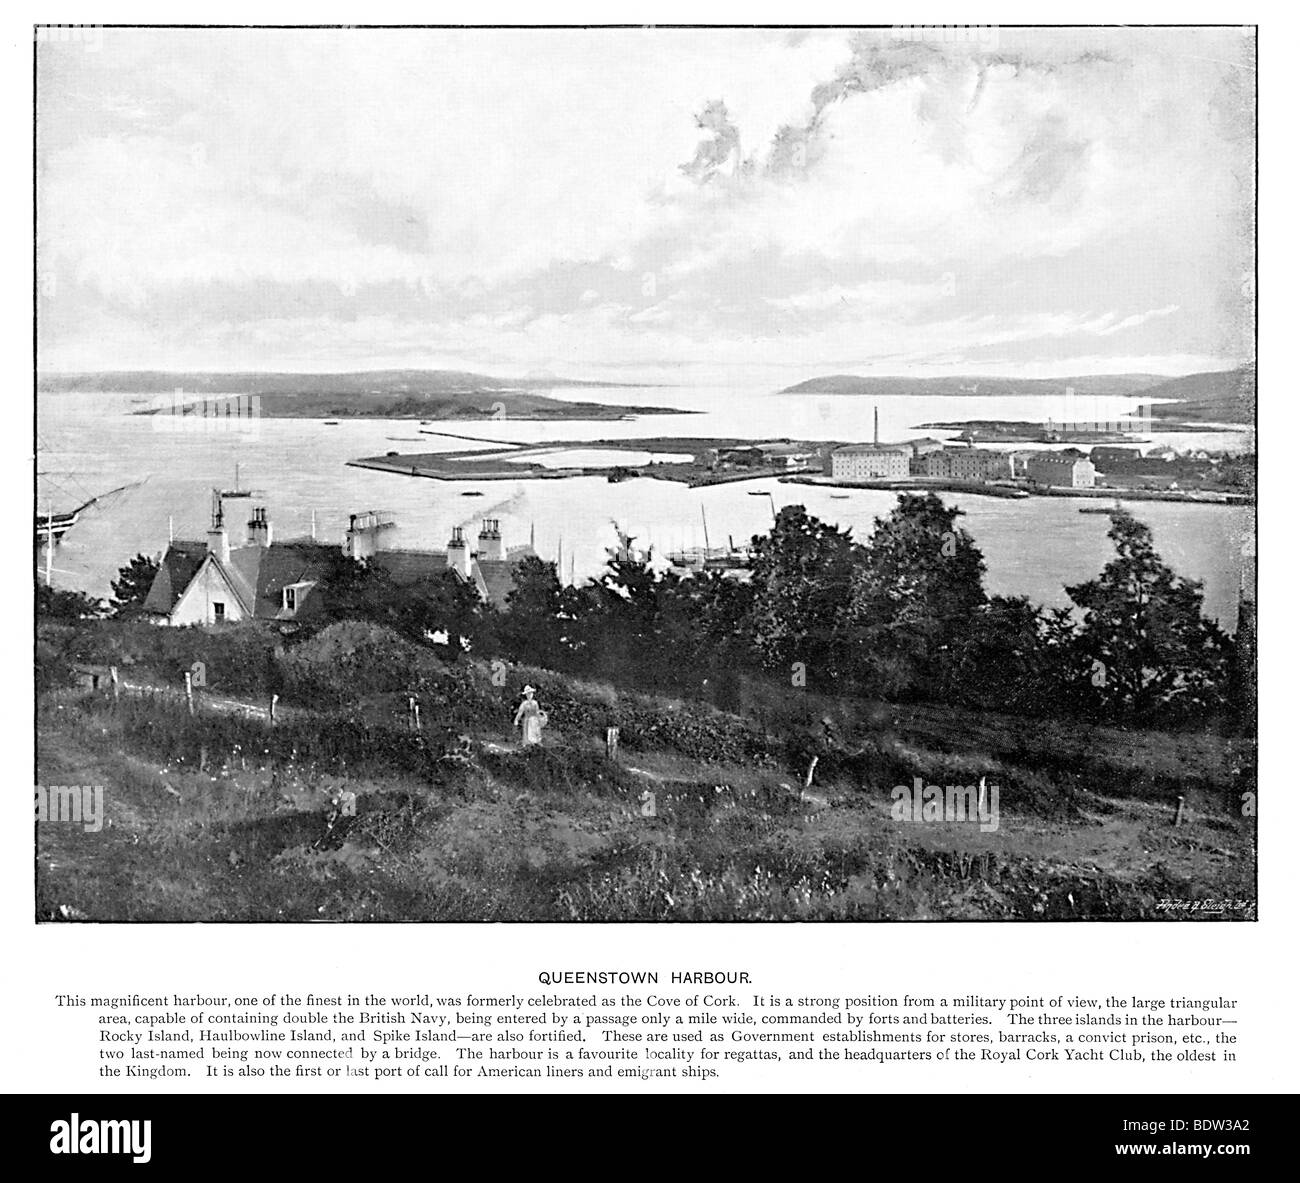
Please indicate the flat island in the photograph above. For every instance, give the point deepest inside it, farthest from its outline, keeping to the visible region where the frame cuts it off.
(371, 394)
(691, 461)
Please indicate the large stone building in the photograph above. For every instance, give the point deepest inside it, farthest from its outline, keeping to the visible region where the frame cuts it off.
(859, 462)
(967, 464)
(1068, 469)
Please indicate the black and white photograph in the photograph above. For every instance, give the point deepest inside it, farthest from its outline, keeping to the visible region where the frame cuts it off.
(578, 475)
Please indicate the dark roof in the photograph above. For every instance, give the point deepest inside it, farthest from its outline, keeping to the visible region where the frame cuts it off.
(405, 567)
(258, 575)
(498, 579)
(268, 570)
(869, 449)
(179, 565)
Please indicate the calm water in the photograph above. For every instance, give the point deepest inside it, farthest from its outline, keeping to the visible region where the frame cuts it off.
(89, 444)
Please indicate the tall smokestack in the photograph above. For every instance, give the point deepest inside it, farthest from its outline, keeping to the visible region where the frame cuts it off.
(875, 432)
(458, 557)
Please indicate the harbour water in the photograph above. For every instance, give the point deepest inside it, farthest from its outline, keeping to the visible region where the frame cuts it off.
(90, 442)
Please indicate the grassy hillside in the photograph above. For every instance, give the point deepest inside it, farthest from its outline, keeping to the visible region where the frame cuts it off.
(220, 816)
(982, 386)
(1226, 396)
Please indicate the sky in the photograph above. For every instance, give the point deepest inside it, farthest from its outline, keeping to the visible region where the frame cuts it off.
(650, 205)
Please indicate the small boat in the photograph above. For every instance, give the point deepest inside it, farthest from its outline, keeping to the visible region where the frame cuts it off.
(839, 496)
(331, 422)
(1106, 509)
(472, 493)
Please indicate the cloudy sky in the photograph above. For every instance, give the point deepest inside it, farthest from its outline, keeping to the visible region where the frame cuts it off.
(647, 204)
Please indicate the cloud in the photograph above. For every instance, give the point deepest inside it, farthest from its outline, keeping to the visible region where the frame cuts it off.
(642, 197)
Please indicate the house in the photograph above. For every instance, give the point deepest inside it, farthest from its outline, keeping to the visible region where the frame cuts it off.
(774, 454)
(489, 567)
(924, 446)
(1105, 458)
(1068, 469)
(857, 462)
(212, 582)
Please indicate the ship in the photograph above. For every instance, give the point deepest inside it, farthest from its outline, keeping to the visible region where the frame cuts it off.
(52, 525)
(716, 558)
(625, 552)
(729, 559)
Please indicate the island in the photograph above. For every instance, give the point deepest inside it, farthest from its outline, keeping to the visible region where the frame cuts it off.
(374, 394)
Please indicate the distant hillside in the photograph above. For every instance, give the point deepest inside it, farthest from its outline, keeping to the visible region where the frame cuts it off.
(416, 382)
(1219, 396)
(984, 387)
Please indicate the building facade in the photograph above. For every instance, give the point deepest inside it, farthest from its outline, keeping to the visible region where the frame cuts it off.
(858, 462)
(1068, 470)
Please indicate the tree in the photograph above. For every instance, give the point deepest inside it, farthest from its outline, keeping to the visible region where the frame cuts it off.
(1001, 661)
(533, 626)
(800, 590)
(1148, 648)
(362, 590)
(56, 604)
(915, 596)
(132, 585)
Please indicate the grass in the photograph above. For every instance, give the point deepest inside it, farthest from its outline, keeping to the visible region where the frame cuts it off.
(221, 817)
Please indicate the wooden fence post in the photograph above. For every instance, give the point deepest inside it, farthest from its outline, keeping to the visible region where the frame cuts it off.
(189, 691)
(117, 686)
(1178, 813)
(274, 699)
(611, 743)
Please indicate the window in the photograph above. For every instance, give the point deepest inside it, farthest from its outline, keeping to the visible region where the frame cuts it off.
(218, 611)
(291, 599)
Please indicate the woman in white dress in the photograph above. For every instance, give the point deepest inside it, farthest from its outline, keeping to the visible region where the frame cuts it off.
(531, 717)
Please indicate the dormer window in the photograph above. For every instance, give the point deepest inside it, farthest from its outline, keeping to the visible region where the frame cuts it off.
(293, 595)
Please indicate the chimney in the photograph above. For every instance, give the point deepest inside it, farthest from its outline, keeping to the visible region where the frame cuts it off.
(218, 539)
(875, 432)
(219, 542)
(458, 557)
(489, 540)
(259, 528)
(362, 536)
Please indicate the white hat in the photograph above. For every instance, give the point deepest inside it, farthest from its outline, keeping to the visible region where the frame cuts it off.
(529, 690)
